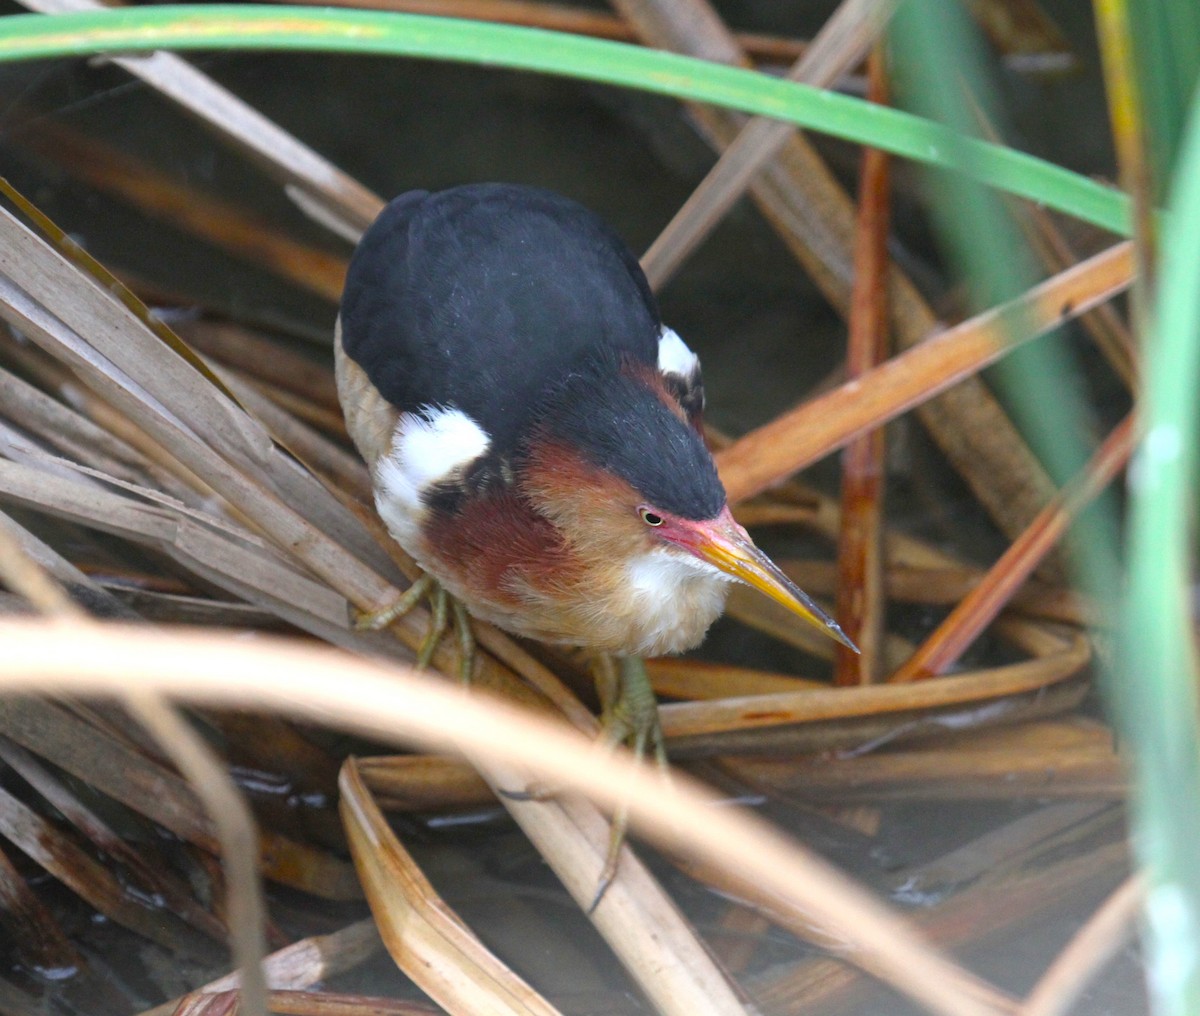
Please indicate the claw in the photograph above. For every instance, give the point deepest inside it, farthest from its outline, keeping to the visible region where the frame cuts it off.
(536, 792)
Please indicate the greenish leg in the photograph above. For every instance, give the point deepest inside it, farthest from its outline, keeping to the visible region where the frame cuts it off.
(466, 640)
(629, 716)
(437, 626)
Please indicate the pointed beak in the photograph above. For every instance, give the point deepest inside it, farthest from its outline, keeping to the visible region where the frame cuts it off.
(726, 545)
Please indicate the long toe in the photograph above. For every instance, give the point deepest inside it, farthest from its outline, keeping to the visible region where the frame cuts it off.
(377, 620)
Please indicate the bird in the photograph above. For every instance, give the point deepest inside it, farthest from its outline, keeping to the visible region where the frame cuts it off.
(534, 431)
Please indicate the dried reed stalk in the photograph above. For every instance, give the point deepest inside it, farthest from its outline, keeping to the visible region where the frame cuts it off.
(149, 789)
(325, 1003)
(230, 815)
(233, 229)
(1043, 760)
(303, 1003)
(341, 198)
(153, 878)
(806, 205)
(264, 358)
(1106, 327)
(822, 425)
(136, 373)
(224, 1004)
(343, 472)
(698, 679)
(1105, 932)
(384, 702)
(980, 607)
(40, 941)
(773, 619)
(428, 941)
(860, 600)
(423, 782)
(57, 854)
(75, 436)
(859, 734)
(995, 904)
(946, 586)
(1037, 758)
(235, 827)
(239, 562)
(837, 970)
(301, 964)
(649, 935)
(758, 712)
(842, 43)
(1015, 847)
(917, 572)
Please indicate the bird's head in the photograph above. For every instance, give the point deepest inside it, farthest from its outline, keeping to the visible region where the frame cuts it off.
(724, 544)
(617, 466)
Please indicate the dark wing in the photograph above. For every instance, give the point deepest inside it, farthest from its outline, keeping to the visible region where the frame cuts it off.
(486, 296)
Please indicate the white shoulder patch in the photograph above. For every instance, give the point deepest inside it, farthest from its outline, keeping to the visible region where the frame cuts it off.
(674, 357)
(426, 448)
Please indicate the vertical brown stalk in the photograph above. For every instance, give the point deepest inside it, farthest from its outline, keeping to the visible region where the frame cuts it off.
(860, 595)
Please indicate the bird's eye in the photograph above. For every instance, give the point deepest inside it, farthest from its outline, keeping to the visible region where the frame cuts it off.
(649, 517)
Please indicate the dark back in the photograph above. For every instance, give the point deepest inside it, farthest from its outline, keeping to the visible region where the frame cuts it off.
(488, 296)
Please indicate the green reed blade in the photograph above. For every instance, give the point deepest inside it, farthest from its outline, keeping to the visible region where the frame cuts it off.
(219, 27)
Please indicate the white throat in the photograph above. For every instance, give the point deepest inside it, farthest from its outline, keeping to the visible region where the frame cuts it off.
(675, 598)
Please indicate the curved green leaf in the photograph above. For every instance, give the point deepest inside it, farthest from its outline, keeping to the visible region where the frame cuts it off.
(142, 29)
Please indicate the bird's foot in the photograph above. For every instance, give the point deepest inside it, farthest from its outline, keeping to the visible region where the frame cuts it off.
(629, 716)
(377, 620)
(440, 602)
